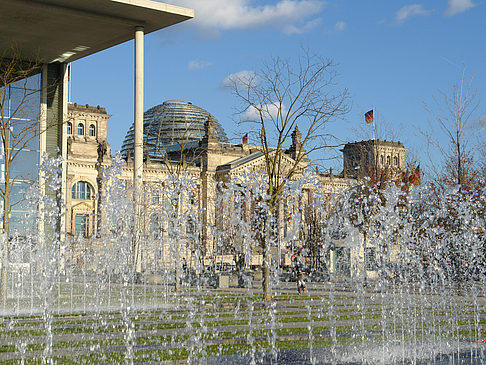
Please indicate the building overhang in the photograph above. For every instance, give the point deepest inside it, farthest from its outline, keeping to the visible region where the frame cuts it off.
(63, 31)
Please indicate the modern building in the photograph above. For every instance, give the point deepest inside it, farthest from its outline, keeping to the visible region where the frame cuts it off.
(42, 37)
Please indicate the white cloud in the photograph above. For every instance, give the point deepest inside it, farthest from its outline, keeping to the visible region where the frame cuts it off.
(291, 16)
(411, 10)
(240, 79)
(269, 111)
(292, 29)
(340, 26)
(198, 65)
(459, 6)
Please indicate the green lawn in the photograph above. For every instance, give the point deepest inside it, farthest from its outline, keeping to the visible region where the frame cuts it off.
(209, 322)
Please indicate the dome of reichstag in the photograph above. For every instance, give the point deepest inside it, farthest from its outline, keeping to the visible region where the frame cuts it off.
(170, 126)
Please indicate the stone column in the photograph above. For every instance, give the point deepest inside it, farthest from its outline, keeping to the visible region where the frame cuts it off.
(138, 145)
(138, 124)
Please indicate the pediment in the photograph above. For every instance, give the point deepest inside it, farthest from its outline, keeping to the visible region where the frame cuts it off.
(257, 164)
(84, 206)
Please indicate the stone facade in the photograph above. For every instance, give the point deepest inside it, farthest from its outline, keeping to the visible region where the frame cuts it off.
(87, 151)
(360, 158)
(209, 163)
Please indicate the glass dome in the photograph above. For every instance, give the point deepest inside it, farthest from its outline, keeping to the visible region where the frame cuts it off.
(170, 126)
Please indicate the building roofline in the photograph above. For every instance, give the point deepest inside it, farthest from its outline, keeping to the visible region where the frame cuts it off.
(63, 31)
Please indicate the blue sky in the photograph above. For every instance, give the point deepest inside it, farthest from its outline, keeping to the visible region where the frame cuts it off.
(393, 55)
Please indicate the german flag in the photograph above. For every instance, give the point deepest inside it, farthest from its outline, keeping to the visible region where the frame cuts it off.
(415, 178)
(369, 117)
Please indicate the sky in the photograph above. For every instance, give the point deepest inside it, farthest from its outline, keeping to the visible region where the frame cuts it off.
(391, 55)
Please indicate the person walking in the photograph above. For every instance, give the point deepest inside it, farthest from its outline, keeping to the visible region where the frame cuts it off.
(184, 265)
(301, 287)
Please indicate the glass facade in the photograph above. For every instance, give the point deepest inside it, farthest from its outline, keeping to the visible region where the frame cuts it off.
(21, 105)
(170, 126)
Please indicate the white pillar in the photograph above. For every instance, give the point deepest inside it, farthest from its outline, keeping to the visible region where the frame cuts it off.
(138, 123)
(138, 144)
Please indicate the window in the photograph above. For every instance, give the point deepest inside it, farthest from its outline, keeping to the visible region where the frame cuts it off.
(81, 190)
(370, 259)
(395, 161)
(381, 159)
(387, 160)
(155, 197)
(155, 226)
(69, 128)
(92, 130)
(343, 260)
(81, 223)
(81, 129)
(190, 226)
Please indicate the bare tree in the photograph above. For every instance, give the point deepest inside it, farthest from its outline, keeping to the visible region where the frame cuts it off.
(454, 113)
(20, 126)
(283, 99)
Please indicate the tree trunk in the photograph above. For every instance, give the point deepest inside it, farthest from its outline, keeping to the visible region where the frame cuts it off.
(266, 272)
(177, 284)
(5, 253)
(3, 273)
(267, 255)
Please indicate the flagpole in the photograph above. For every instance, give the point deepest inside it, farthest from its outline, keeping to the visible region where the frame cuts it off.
(374, 117)
(375, 152)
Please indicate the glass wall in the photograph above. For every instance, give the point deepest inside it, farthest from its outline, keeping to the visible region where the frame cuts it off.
(20, 104)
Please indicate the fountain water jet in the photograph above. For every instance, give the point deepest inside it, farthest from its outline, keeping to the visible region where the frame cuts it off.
(404, 278)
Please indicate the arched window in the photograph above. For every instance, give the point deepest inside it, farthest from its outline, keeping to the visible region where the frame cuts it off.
(81, 129)
(387, 160)
(92, 130)
(395, 161)
(81, 190)
(69, 128)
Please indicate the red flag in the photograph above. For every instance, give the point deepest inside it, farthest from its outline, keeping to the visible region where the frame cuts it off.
(245, 139)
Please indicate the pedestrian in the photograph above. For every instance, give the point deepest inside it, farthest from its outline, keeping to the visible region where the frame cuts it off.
(184, 265)
(301, 287)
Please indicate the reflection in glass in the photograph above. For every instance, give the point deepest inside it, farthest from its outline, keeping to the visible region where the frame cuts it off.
(20, 114)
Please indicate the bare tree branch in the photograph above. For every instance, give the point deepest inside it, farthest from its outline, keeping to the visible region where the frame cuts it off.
(286, 97)
(453, 113)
